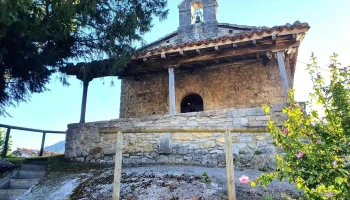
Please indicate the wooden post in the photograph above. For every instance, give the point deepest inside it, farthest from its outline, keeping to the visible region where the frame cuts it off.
(6, 144)
(172, 105)
(42, 144)
(118, 166)
(283, 73)
(83, 104)
(231, 192)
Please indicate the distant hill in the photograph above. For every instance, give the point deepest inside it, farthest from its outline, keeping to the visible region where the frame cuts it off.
(58, 147)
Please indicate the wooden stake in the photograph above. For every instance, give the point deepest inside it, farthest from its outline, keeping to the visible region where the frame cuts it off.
(118, 166)
(231, 192)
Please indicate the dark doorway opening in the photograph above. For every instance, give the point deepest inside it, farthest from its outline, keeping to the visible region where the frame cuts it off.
(192, 103)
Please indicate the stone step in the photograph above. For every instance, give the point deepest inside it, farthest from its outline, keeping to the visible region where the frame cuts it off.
(27, 174)
(36, 162)
(32, 167)
(22, 183)
(11, 194)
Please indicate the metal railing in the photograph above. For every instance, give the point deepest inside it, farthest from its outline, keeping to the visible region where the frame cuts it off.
(8, 127)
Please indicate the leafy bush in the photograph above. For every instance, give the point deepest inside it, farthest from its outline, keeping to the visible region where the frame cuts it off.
(205, 178)
(2, 141)
(316, 144)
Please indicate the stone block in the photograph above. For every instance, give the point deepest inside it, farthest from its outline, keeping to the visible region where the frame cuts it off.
(130, 161)
(192, 123)
(207, 144)
(147, 161)
(252, 145)
(95, 150)
(216, 151)
(162, 159)
(260, 137)
(203, 135)
(182, 150)
(164, 145)
(181, 136)
(193, 147)
(261, 118)
(221, 140)
(108, 151)
(245, 139)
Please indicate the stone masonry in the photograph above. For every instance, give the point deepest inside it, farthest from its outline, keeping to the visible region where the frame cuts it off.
(84, 142)
(221, 86)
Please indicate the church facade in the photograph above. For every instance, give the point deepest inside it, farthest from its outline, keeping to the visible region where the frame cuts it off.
(179, 93)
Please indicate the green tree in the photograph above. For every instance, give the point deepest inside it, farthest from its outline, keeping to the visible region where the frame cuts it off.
(2, 142)
(316, 144)
(37, 37)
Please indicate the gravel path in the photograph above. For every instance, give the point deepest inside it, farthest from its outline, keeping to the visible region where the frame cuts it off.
(168, 182)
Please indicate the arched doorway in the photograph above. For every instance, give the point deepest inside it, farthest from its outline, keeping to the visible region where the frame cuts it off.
(192, 103)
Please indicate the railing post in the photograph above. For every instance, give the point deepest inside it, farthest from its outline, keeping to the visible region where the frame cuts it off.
(231, 192)
(42, 144)
(118, 166)
(6, 144)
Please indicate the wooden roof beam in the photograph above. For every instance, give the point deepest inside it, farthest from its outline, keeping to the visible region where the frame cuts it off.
(240, 52)
(163, 56)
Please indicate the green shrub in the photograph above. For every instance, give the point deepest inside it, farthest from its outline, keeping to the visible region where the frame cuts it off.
(316, 144)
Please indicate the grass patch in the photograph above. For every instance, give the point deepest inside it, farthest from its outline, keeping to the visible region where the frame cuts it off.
(257, 152)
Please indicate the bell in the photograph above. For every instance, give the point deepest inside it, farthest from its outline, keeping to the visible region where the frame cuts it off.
(198, 19)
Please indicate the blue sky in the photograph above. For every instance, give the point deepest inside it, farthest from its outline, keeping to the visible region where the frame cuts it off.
(330, 26)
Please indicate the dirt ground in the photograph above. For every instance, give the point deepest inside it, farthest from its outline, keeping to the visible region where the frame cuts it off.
(164, 182)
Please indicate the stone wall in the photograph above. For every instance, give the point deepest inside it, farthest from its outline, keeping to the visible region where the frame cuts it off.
(251, 149)
(221, 87)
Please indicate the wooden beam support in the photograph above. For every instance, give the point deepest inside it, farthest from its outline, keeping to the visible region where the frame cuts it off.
(231, 192)
(42, 144)
(182, 53)
(216, 48)
(254, 43)
(294, 38)
(172, 104)
(163, 56)
(118, 166)
(274, 39)
(84, 100)
(283, 73)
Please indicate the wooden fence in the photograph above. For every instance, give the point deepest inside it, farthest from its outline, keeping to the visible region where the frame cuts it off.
(8, 127)
(228, 151)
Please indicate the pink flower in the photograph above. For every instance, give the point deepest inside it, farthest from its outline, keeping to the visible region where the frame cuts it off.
(244, 179)
(312, 54)
(318, 76)
(345, 68)
(290, 108)
(300, 154)
(318, 141)
(334, 163)
(331, 65)
(285, 130)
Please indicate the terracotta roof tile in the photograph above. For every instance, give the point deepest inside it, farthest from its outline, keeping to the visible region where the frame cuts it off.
(237, 36)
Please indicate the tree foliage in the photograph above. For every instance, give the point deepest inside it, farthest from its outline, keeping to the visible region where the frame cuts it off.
(2, 142)
(37, 37)
(316, 144)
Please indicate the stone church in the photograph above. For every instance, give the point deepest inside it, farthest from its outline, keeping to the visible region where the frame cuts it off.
(179, 92)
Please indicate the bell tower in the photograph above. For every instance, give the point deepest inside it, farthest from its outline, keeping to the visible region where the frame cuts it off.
(195, 11)
(198, 20)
